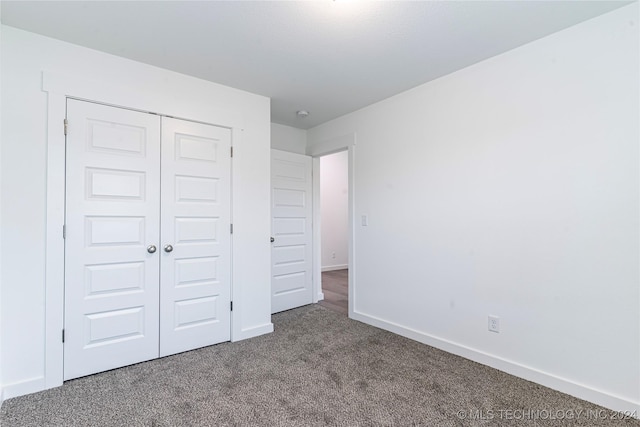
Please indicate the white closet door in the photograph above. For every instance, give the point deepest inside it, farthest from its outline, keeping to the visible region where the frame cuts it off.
(291, 211)
(112, 223)
(196, 241)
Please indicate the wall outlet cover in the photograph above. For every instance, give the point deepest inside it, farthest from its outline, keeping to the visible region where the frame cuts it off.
(494, 324)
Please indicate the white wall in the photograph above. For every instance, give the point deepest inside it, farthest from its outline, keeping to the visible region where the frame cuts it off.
(287, 138)
(511, 188)
(24, 147)
(334, 195)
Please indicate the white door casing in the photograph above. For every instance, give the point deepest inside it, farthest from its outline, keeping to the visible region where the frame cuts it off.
(291, 211)
(112, 205)
(196, 217)
(132, 192)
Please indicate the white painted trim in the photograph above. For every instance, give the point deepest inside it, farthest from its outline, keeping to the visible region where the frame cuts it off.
(335, 267)
(54, 244)
(352, 227)
(58, 88)
(555, 382)
(332, 145)
(237, 135)
(323, 148)
(316, 237)
(252, 332)
(31, 385)
(132, 98)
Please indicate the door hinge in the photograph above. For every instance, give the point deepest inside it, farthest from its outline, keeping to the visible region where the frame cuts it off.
(63, 335)
(64, 231)
(66, 126)
(231, 305)
(231, 151)
(231, 228)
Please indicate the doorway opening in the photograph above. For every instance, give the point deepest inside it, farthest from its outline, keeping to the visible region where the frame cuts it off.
(334, 231)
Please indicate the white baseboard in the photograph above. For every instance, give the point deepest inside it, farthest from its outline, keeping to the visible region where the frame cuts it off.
(319, 297)
(21, 388)
(335, 267)
(563, 385)
(254, 332)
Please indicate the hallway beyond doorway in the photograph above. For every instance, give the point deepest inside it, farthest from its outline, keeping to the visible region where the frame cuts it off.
(335, 286)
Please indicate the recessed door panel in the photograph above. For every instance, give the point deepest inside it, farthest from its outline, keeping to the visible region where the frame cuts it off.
(117, 137)
(197, 230)
(283, 198)
(114, 230)
(112, 278)
(196, 189)
(114, 326)
(190, 147)
(288, 255)
(289, 226)
(192, 271)
(287, 283)
(115, 184)
(289, 170)
(196, 312)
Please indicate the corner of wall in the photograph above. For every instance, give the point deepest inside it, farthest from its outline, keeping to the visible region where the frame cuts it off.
(287, 138)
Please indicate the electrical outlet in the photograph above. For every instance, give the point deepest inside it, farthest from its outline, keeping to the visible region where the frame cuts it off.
(333, 255)
(494, 324)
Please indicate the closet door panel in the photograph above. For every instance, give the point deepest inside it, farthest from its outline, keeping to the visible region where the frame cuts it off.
(196, 240)
(112, 218)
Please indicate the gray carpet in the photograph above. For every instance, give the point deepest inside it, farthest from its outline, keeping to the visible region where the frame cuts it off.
(317, 368)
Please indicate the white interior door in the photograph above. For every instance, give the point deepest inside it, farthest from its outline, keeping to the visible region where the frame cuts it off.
(147, 245)
(196, 236)
(112, 223)
(291, 211)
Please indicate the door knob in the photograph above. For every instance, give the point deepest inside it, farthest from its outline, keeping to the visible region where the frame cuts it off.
(168, 248)
(273, 240)
(151, 249)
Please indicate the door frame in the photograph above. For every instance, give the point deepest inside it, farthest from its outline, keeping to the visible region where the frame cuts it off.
(58, 88)
(325, 147)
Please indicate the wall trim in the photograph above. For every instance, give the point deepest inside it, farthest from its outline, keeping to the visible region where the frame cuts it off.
(335, 267)
(316, 232)
(528, 373)
(20, 388)
(332, 145)
(322, 148)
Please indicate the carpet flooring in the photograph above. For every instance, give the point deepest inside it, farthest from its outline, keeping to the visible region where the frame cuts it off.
(317, 368)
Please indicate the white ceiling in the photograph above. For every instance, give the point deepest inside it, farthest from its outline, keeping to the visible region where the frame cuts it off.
(327, 57)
